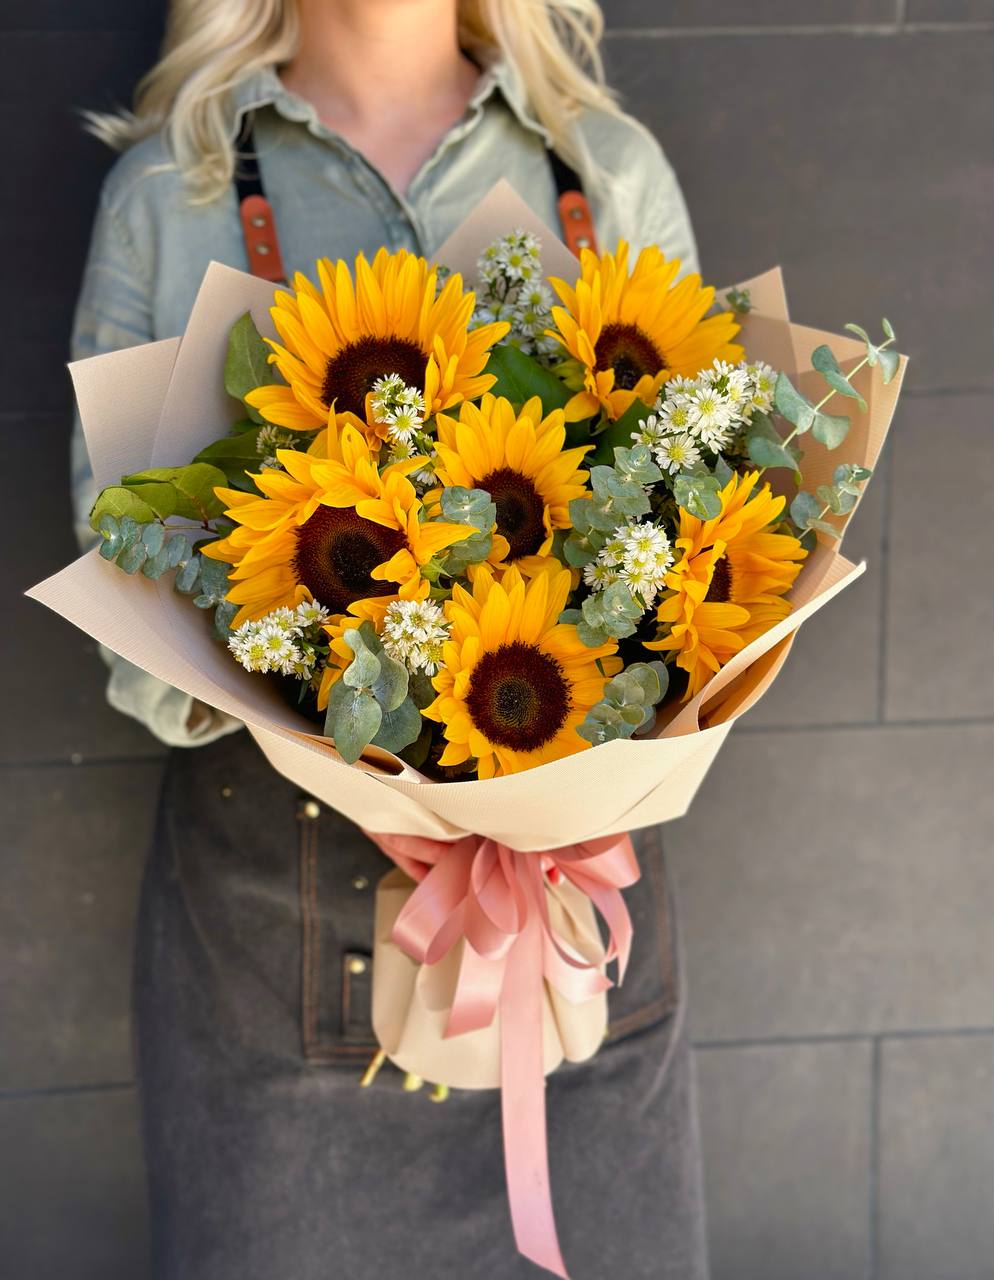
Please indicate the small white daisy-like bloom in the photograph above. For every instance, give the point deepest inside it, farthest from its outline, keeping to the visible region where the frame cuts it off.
(674, 414)
(311, 614)
(710, 417)
(613, 551)
(650, 431)
(399, 407)
(763, 379)
(645, 559)
(282, 619)
(598, 575)
(678, 385)
(403, 423)
(414, 632)
(676, 453)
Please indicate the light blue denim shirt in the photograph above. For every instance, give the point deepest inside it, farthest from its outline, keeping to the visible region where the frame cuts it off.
(151, 246)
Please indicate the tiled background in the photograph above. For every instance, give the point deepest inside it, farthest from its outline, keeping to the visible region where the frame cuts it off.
(841, 955)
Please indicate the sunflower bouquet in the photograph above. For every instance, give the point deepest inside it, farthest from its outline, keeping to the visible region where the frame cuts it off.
(416, 534)
(497, 552)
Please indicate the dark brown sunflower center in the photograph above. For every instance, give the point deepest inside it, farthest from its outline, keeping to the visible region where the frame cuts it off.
(720, 589)
(518, 697)
(629, 352)
(520, 510)
(336, 553)
(349, 376)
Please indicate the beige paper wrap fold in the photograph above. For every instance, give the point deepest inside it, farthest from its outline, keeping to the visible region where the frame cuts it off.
(161, 403)
(411, 1001)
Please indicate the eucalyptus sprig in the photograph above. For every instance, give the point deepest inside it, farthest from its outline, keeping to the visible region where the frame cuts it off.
(765, 445)
(628, 704)
(151, 549)
(371, 702)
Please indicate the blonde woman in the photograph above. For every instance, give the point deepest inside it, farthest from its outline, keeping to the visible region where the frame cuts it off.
(362, 122)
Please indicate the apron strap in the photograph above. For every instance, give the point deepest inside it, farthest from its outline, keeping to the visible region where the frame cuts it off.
(575, 218)
(259, 226)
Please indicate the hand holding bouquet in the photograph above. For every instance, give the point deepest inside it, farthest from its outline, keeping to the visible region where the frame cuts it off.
(504, 570)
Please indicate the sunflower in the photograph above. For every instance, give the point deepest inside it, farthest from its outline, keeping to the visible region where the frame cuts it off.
(332, 528)
(729, 586)
(520, 461)
(337, 340)
(630, 333)
(514, 681)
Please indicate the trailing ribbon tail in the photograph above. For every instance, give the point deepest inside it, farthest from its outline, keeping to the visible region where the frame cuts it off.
(493, 899)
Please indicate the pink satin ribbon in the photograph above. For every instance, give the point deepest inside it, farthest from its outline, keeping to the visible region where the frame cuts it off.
(495, 899)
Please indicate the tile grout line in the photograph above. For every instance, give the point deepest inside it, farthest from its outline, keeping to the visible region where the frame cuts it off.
(65, 1090)
(879, 30)
(846, 1037)
(886, 495)
(901, 14)
(873, 1190)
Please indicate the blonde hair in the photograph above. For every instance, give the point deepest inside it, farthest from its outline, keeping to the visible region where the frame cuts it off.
(211, 46)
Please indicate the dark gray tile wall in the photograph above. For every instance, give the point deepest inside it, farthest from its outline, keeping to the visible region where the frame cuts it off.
(838, 937)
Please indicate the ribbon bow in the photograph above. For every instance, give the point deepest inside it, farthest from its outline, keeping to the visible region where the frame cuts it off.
(495, 900)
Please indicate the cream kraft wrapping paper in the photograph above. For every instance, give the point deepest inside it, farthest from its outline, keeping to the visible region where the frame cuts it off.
(160, 403)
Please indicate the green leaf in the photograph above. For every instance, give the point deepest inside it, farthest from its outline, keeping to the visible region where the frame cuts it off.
(860, 332)
(581, 549)
(153, 536)
(519, 377)
(824, 527)
(118, 501)
(390, 686)
(234, 455)
(698, 494)
(889, 363)
(194, 486)
(804, 508)
(469, 506)
(246, 365)
(766, 453)
(469, 551)
(132, 558)
(838, 381)
(223, 617)
(214, 579)
(399, 727)
(823, 359)
(888, 329)
(830, 430)
(618, 434)
(790, 404)
(421, 689)
(722, 471)
(353, 720)
(365, 667)
(187, 579)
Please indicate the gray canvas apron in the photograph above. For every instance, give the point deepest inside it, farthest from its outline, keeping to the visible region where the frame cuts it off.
(266, 1160)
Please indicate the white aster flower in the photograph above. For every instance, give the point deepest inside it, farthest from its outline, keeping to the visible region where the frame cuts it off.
(676, 453)
(650, 431)
(674, 413)
(646, 557)
(311, 614)
(710, 417)
(763, 378)
(414, 632)
(598, 575)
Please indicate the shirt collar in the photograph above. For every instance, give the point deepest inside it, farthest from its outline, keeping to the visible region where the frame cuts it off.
(264, 88)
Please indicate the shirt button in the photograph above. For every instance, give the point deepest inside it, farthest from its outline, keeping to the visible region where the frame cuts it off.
(311, 809)
(359, 883)
(357, 965)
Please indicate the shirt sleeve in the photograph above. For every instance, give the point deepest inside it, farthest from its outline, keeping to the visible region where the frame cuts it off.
(114, 311)
(665, 219)
(636, 192)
